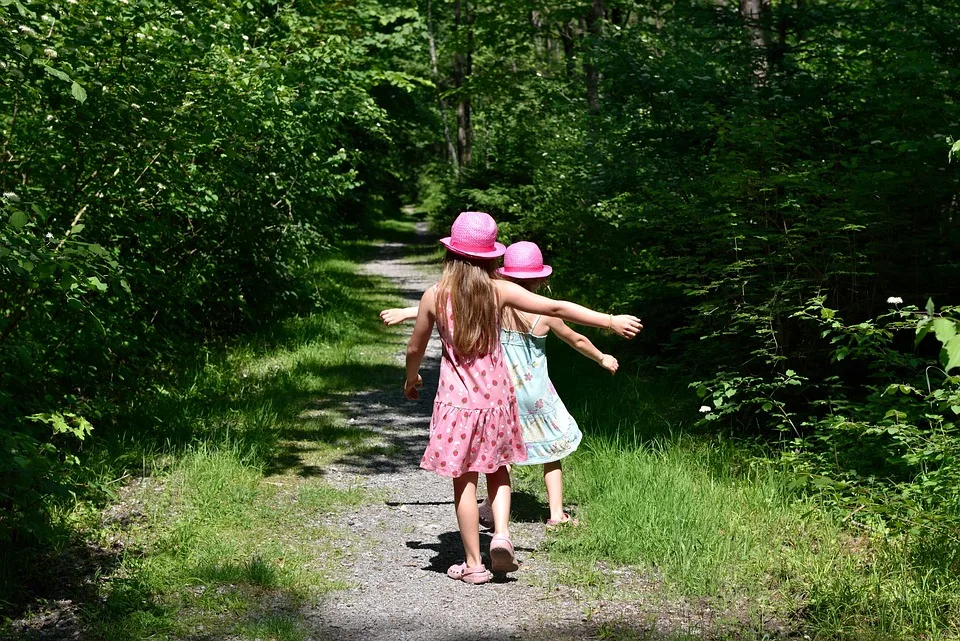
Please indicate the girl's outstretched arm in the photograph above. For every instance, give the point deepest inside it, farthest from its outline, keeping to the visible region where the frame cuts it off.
(417, 346)
(397, 315)
(515, 296)
(582, 344)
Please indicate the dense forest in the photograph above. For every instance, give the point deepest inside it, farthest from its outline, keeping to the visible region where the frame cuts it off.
(768, 184)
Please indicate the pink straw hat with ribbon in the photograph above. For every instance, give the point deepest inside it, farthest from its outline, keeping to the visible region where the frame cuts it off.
(524, 260)
(474, 233)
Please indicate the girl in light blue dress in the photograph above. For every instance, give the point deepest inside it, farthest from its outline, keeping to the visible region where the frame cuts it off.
(550, 433)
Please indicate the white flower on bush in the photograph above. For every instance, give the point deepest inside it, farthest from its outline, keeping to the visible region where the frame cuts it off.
(9, 195)
(895, 300)
(705, 408)
(49, 236)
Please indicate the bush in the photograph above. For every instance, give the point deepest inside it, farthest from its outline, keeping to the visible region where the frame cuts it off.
(169, 172)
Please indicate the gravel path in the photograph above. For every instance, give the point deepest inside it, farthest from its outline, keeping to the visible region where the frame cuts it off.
(401, 588)
(397, 559)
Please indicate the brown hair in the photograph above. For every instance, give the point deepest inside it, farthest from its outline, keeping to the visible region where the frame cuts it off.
(468, 283)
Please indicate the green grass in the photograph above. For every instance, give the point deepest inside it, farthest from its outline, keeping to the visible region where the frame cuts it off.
(219, 548)
(710, 519)
(223, 535)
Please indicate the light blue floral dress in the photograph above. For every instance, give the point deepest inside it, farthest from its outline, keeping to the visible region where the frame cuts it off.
(550, 433)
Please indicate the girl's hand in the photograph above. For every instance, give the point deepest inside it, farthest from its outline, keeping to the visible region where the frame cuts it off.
(625, 325)
(609, 363)
(411, 389)
(393, 316)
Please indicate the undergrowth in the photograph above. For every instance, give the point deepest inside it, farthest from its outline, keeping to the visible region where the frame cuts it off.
(712, 516)
(214, 481)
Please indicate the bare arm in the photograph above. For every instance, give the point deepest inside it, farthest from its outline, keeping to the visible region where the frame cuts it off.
(515, 296)
(417, 346)
(582, 344)
(397, 315)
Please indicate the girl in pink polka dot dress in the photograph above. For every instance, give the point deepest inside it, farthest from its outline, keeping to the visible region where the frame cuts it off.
(475, 425)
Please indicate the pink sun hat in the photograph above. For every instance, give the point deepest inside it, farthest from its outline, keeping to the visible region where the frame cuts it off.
(524, 260)
(474, 233)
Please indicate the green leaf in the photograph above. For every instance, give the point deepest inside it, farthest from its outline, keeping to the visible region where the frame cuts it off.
(24, 12)
(56, 73)
(923, 328)
(97, 284)
(78, 92)
(18, 219)
(945, 329)
(930, 307)
(950, 355)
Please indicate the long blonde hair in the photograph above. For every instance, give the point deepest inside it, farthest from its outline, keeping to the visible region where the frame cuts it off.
(468, 284)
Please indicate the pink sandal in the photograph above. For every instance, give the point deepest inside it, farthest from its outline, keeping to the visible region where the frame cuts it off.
(502, 557)
(475, 575)
(485, 512)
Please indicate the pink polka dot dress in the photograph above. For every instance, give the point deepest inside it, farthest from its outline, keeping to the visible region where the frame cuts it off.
(475, 425)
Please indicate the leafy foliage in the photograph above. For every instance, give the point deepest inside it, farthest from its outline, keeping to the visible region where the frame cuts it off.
(169, 170)
(723, 170)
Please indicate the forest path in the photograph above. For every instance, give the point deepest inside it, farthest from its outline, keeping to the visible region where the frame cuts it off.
(401, 546)
(408, 540)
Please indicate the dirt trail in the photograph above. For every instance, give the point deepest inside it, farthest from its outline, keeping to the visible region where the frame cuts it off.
(406, 542)
(403, 544)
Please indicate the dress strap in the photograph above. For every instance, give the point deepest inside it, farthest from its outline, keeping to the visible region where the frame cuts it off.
(535, 321)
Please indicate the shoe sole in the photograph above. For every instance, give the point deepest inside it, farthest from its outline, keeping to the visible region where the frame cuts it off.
(502, 560)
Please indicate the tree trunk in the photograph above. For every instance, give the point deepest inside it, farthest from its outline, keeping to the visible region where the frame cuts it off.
(594, 20)
(566, 36)
(462, 64)
(756, 18)
(441, 103)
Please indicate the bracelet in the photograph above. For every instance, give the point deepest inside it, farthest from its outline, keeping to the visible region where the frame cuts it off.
(610, 322)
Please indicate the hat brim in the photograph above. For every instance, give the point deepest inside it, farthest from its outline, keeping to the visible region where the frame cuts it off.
(524, 275)
(498, 250)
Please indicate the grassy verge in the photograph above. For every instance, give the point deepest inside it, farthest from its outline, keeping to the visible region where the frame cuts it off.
(712, 520)
(222, 533)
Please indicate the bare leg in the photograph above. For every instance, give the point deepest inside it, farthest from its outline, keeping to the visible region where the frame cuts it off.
(553, 479)
(498, 490)
(487, 502)
(465, 501)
